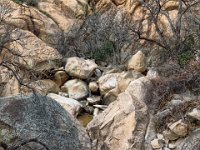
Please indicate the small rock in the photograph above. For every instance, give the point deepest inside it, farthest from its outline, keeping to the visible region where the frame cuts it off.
(195, 114)
(94, 100)
(165, 148)
(63, 94)
(160, 136)
(170, 135)
(137, 62)
(96, 112)
(101, 106)
(93, 86)
(60, 77)
(172, 145)
(179, 128)
(156, 144)
(98, 72)
(89, 109)
(152, 74)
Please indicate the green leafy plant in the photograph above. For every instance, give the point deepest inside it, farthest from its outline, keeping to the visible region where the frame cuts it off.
(185, 57)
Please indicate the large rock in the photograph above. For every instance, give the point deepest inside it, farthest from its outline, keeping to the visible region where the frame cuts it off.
(80, 68)
(76, 89)
(120, 126)
(108, 82)
(137, 62)
(41, 119)
(35, 21)
(191, 142)
(126, 77)
(69, 104)
(140, 88)
(64, 18)
(33, 52)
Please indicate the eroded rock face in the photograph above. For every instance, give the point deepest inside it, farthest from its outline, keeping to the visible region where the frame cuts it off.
(76, 89)
(123, 124)
(80, 68)
(41, 118)
(35, 54)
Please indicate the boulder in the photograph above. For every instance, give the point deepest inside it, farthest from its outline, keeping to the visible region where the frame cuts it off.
(126, 77)
(141, 89)
(60, 77)
(41, 120)
(35, 54)
(80, 68)
(191, 142)
(69, 104)
(35, 21)
(76, 89)
(117, 127)
(108, 82)
(137, 62)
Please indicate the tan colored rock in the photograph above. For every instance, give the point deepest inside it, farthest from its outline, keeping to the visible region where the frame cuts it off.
(94, 87)
(117, 124)
(60, 77)
(126, 77)
(65, 19)
(76, 89)
(69, 104)
(137, 62)
(44, 86)
(179, 128)
(140, 88)
(156, 144)
(170, 135)
(33, 20)
(111, 96)
(35, 53)
(80, 68)
(108, 82)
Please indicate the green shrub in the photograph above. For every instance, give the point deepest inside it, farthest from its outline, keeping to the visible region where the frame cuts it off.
(185, 57)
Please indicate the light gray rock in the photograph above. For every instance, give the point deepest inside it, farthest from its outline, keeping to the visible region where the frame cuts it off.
(76, 89)
(41, 118)
(69, 104)
(191, 142)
